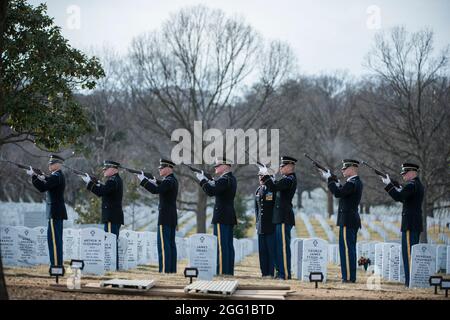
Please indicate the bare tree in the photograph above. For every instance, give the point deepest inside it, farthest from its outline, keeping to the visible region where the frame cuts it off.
(406, 107)
(193, 69)
(321, 122)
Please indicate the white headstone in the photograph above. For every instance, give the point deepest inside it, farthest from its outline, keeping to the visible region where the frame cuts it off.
(295, 247)
(378, 266)
(110, 251)
(314, 258)
(385, 264)
(153, 248)
(9, 239)
(333, 254)
(26, 255)
(447, 268)
(71, 244)
(148, 244)
(132, 250)
(123, 252)
(141, 248)
(371, 252)
(237, 251)
(441, 258)
(423, 265)
(202, 254)
(92, 250)
(395, 258)
(42, 246)
(181, 248)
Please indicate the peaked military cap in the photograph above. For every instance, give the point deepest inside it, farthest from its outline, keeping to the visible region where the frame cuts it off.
(55, 159)
(165, 163)
(220, 161)
(346, 163)
(110, 164)
(287, 160)
(409, 167)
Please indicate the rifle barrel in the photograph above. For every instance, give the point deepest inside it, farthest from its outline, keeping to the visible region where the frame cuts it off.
(134, 171)
(378, 172)
(207, 175)
(22, 166)
(318, 165)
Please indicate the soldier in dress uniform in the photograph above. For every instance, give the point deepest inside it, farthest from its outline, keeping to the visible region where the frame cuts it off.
(264, 205)
(411, 195)
(349, 221)
(283, 214)
(224, 216)
(111, 193)
(167, 188)
(53, 185)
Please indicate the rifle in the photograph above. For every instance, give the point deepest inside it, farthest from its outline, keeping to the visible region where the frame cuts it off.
(261, 165)
(319, 166)
(81, 173)
(381, 174)
(39, 172)
(207, 175)
(146, 174)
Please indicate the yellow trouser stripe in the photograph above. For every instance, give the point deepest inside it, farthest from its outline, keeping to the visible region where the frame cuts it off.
(408, 243)
(162, 248)
(283, 233)
(220, 248)
(347, 260)
(55, 256)
(109, 227)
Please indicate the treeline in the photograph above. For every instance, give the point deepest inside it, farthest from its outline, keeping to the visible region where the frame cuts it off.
(202, 65)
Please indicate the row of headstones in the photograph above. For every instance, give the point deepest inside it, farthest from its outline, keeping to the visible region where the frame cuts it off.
(308, 224)
(378, 229)
(326, 227)
(444, 238)
(387, 262)
(22, 246)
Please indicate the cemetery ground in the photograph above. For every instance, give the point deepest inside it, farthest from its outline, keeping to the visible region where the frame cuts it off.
(34, 283)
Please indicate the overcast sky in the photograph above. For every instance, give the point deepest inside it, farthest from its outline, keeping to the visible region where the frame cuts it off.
(326, 35)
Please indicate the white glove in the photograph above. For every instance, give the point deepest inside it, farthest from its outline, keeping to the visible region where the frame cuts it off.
(200, 176)
(86, 178)
(263, 171)
(30, 172)
(153, 181)
(326, 174)
(141, 176)
(41, 177)
(386, 180)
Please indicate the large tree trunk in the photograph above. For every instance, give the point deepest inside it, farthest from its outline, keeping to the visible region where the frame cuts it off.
(3, 9)
(424, 234)
(329, 203)
(201, 212)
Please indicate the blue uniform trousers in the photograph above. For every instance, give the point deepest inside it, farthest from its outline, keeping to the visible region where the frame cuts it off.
(266, 246)
(167, 249)
(55, 241)
(347, 252)
(114, 228)
(283, 250)
(225, 248)
(409, 238)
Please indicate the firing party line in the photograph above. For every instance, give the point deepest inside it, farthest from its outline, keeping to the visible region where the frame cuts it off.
(272, 207)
